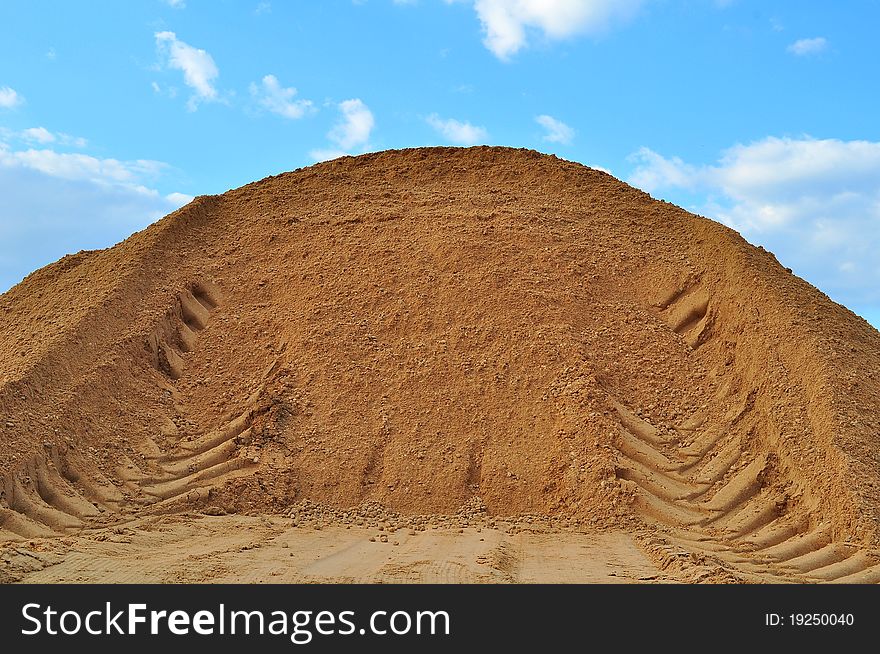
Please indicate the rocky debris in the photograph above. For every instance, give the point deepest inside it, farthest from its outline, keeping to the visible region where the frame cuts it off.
(472, 516)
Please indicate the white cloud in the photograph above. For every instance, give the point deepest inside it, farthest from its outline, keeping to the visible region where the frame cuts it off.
(355, 127)
(42, 136)
(198, 67)
(176, 4)
(655, 172)
(263, 8)
(351, 132)
(73, 141)
(460, 133)
(273, 97)
(804, 47)
(179, 199)
(38, 135)
(507, 23)
(83, 167)
(557, 131)
(814, 202)
(9, 98)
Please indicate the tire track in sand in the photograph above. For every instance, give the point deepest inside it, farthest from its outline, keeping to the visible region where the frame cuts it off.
(713, 496)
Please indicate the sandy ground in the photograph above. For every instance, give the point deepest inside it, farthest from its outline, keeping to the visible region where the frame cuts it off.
(246, 549)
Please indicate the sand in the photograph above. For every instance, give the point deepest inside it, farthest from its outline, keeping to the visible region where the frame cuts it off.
(246, 549)
(440, 332)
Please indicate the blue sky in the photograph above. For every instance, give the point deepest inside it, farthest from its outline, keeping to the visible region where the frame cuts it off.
(760, 114)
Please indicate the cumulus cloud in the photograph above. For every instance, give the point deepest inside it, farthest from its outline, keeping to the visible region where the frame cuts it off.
(351, 132)
(270, 95)
(814, 202)
(198, 67)
(9, 98)
(355, 127)
(460, 133)
(507, 23)
(556, 130)
(804, 47)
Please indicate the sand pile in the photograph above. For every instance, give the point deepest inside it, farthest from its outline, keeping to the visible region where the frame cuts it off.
(426, 328)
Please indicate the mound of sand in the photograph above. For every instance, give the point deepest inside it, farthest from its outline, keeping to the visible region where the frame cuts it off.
(420, 328)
